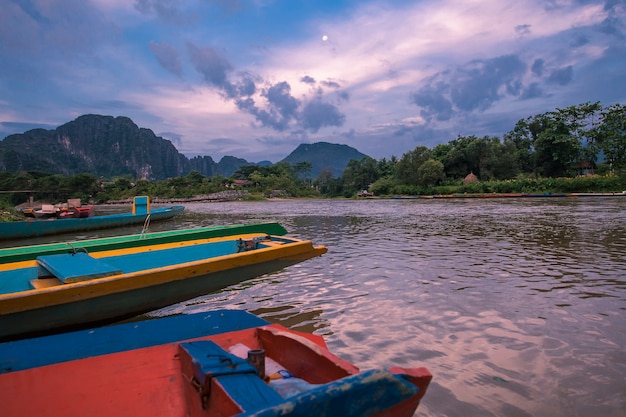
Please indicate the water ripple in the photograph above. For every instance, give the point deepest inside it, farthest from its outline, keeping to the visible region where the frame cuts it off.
(516, 305)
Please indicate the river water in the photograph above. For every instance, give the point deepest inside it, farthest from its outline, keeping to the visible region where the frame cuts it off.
(517, 306)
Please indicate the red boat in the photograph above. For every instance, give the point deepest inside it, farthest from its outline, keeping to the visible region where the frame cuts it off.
(77, 212)
(222, 363)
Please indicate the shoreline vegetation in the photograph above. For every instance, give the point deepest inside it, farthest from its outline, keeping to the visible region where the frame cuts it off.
(579, 187)
(574, 150)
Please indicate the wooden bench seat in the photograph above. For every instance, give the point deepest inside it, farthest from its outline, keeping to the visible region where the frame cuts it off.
(74, 267)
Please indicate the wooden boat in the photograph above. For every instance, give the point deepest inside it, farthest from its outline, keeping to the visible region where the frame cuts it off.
(73, 290)
(196, 365)
(141, 213)
(46, 211)
(77, 212)
(31, 252)
(614, 194)
(28, 211)
(547, 194)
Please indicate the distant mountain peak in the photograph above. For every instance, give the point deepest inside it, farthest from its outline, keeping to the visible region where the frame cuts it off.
(324, 155)
(111, 146)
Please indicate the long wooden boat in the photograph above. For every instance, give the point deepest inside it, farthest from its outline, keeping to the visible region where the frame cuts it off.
(73, 290)
(221, 363)
(30, 252)
(614, 194)
(141, 213)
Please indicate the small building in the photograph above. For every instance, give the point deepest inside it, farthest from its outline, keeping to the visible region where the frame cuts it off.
(470, 179)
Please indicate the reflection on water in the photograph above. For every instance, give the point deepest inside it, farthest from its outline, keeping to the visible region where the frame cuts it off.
(517, 306)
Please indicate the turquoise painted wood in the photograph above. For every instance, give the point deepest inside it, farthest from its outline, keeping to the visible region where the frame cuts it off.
(24, 354)
(238, 377)
(25, 253)
(141, 205)
(74, 267)
(364, 394)
(14, 280)
(35, 227)
(33, 302)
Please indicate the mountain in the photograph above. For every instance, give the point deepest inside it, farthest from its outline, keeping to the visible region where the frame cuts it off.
(324, 155)
(108, 146)
(105, 146)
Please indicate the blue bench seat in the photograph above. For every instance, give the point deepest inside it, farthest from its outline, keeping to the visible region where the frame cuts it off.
(74, 267)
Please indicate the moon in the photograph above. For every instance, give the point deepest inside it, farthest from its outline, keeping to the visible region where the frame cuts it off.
(324, 38)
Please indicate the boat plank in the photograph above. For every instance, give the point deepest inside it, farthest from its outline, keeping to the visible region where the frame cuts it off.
(40, 283)
(75, 267)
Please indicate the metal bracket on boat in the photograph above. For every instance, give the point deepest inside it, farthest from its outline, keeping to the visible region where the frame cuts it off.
(204, 391)
(207, 361)
(250, 244)
(75, 250)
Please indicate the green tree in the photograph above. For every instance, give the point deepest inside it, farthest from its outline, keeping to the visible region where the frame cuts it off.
(430, 173)
(407, 167)
(387, 167)
(610, 135)
(520, 141)
(358, 175)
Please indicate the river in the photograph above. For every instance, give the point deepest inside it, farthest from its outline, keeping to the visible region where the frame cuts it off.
(517, 306)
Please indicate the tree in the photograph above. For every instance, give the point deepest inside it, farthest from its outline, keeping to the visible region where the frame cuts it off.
(430, 173)
(327, 184)
(610, 135)
(358, 175)
(520, 140)
(303, 168)
(195, 177)
(408, 165)
(387, 167)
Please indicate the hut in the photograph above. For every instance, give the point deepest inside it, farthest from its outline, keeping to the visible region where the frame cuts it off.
(470, 178)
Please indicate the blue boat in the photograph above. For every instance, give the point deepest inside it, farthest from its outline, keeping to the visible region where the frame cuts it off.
(220, 363)
(76, 289)
(141, 213)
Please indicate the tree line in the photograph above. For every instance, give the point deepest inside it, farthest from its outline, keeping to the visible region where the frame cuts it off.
(578, 140)
(554, 151)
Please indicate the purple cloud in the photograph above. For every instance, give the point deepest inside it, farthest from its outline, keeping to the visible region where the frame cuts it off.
(168, 57)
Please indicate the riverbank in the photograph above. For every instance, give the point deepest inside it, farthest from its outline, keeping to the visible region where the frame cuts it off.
(507, 195)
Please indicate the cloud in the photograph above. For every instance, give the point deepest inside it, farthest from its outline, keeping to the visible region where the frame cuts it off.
(433, 101)
(168, 57)
(523, 29)
(246, 86)
(211, 64)
(166, 10)
(317, 114)
(537, 67)
(561, 76)
(475, 86)
(308, 79)
(533, 90)
(330, 84)
(281, 106)
(70, 28)
(481, 83)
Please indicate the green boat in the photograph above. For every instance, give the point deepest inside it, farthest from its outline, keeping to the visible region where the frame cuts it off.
(31, 252)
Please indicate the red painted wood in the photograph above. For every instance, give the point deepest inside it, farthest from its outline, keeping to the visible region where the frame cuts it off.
(154, 382)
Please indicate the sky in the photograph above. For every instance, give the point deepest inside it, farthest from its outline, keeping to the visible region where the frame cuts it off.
(256, 78)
